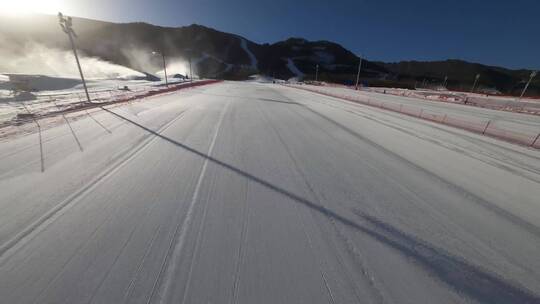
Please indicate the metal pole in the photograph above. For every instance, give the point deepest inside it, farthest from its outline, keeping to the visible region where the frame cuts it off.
(164, 65)
(66, 25)
(475, 81)
(358, 74)
(39, 134)
(79, 66)
(533, 73)
(165, 69)
(190, 70)
(317, 73)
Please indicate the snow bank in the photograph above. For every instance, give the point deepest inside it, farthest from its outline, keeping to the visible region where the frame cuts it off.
(39, 82)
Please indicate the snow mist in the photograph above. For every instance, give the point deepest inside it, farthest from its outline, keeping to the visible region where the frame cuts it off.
(35, 58)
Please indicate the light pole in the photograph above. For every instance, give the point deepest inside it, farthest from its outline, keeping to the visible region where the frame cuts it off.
(189, 54)
(475, 82)
(190, 71)
(358, 74)
(164, 65)
(533, 74)
(317, 73)
(66, 25)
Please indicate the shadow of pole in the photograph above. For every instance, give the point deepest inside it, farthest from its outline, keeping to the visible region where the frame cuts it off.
(466, 278)
(70, 128)
(457, 273)
(100, 124)
(39, 136)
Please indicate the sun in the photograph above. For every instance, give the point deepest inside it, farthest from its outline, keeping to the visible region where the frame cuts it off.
(24, 7)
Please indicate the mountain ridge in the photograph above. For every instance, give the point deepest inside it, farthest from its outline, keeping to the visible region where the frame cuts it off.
(219, 54)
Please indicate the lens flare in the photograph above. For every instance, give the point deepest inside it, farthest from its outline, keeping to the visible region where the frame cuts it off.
(25, 7)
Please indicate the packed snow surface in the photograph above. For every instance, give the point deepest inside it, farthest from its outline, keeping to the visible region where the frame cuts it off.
(260, 193)
(525, 124)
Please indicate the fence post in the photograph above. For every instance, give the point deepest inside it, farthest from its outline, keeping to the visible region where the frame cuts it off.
(487, 125)
(39, 134)
(534, 141)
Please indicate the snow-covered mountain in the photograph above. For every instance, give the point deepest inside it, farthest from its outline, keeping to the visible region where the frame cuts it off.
(224, 55)
(214, 53)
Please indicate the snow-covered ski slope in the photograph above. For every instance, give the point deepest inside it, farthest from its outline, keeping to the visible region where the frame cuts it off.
(260, 193)
(514, 127)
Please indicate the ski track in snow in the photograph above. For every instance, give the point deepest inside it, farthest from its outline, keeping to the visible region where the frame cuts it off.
(262, 193)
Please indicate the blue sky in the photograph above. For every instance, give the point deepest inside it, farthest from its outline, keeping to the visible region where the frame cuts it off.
(497, 32)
